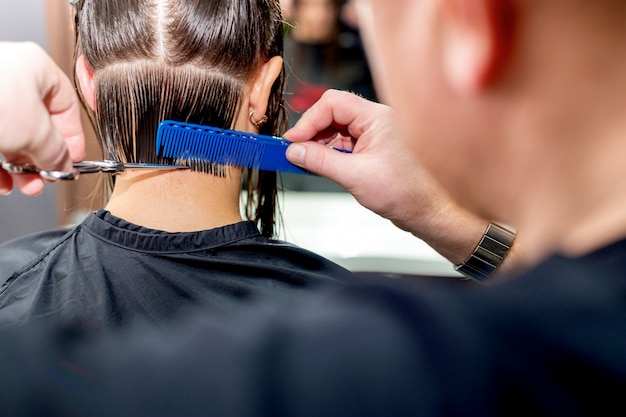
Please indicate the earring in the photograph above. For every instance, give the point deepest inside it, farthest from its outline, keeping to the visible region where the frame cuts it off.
(260, 122)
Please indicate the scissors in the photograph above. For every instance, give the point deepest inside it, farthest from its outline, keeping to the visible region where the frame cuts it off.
(85, 167)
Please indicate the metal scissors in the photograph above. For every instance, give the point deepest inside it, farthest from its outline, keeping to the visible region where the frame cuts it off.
(85, 167)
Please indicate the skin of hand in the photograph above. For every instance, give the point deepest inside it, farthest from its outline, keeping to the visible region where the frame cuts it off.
(39, 116)
(379, 172)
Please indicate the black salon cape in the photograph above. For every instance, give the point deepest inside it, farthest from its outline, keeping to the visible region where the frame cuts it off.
(107, 272)
(551, 342)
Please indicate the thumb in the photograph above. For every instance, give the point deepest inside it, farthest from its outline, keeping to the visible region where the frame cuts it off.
(48, 151)
(60, 137)
(319, 159)
(64, 109)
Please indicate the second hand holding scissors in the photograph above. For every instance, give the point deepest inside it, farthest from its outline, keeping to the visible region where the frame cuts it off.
(85, 167)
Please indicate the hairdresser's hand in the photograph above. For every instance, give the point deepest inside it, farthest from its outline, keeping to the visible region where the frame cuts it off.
(381, 174)
(39, 116)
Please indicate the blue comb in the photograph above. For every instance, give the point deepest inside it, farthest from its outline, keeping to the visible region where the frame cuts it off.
(201, 143)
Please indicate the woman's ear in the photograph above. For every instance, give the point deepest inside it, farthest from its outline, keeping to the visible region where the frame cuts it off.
(86, 81)
(262, 86)
(476, 37)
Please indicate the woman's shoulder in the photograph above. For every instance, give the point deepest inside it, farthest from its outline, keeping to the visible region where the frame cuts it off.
(287, 255)
(18, 252)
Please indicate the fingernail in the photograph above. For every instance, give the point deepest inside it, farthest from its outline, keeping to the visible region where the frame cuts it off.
(5, 191)
(296, 153)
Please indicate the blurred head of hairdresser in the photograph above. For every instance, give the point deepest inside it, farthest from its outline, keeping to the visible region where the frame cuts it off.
(200, 62)
(515, 106)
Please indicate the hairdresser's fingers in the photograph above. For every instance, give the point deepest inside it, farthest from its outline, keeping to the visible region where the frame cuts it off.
(321, 160)
(39, 114)
(379, 173)
(336, 111)
(39, 109)
(66, 125)
(340, 118)
(29, 184)
(349, 122)
(60, 140)
(382, 178)
(64, 109)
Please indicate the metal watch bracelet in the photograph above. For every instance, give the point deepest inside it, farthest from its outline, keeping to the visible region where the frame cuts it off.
(489, 253)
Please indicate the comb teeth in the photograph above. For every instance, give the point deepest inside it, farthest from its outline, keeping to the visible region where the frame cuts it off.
(209, 145)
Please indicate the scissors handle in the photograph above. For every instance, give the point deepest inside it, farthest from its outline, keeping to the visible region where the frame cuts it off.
(47, 175)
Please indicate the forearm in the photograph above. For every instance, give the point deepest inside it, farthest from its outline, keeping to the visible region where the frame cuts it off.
(455, 233)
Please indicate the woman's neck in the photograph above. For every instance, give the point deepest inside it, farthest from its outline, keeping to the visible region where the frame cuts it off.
(176, 201)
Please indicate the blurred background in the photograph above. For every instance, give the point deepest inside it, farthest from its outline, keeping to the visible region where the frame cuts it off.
(323, 50)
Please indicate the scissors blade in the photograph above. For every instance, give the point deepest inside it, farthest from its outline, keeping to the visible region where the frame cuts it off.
(130, 165)
(115, 167)
(84, 167)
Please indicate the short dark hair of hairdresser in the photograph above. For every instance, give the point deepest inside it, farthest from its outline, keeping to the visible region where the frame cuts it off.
(185, 60)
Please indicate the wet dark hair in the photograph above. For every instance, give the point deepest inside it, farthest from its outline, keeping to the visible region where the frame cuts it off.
(185, 60)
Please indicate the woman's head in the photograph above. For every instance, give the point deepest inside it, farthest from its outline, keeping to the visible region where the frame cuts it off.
(199, 61)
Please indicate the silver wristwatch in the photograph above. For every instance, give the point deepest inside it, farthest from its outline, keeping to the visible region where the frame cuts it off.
(489, 253)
